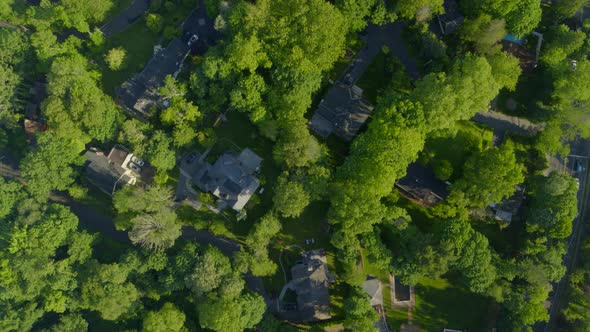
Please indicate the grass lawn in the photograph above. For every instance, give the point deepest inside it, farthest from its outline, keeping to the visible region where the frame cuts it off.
(385, 72)
(138, 41)
(440, 304)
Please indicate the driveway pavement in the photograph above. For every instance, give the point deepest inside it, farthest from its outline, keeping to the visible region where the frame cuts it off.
(126, 18)
(375, 38)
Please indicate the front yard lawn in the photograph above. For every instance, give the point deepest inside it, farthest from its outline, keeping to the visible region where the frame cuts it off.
(138, 41)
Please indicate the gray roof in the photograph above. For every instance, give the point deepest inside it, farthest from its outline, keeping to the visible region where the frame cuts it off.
(451, 20)
(343, 112)
(106, 175)
(313, 298)
(510, 206)
(140, 93)
(231, 178)
(373, 288)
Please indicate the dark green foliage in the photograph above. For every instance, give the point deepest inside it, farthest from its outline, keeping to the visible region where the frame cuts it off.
(290, 197)
(360, 315)
(168, 318)
(489, 176)
(521, 16)
(554, 206)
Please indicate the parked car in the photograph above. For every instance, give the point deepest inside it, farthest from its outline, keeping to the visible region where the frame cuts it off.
(136, 168)
(137, 161)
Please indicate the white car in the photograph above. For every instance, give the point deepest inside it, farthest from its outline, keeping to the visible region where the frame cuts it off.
(138, 161)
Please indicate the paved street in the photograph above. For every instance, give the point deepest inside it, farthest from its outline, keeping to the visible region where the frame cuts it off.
(579, 148)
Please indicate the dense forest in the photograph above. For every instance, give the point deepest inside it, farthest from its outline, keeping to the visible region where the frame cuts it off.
(164, 254)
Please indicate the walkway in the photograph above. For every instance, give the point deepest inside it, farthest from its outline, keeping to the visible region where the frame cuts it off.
(126, 18)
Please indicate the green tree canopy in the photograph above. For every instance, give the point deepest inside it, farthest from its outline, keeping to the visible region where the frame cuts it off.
(76, 107)
(168, 318)
(156, 231)
(360, 315)
(490, 176)
(554, 206)
(484, 32)
(290, 197)
(560, 43)
(115, 58)
(232, 315)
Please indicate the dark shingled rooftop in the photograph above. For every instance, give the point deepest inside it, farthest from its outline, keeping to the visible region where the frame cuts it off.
(140, 93)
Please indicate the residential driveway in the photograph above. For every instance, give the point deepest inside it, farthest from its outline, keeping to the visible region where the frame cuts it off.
(375, 38)
(198, 23)
(126, 18)
(502, 123)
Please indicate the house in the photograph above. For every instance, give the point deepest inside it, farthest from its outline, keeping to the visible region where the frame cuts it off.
(421, 185)
(342, 112)
(231, 178)
(374, 289)
(311, 281)
(139, 95)
(450, 21)
(508, 207)
(120, 167)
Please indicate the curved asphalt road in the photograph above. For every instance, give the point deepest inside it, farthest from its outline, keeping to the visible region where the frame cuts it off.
(95, 221)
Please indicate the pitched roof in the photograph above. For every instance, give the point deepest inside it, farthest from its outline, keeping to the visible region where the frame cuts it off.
(373, 288)
(343, 112)
(313, 298)
(107, 176)
(140, 93)
(231, 178)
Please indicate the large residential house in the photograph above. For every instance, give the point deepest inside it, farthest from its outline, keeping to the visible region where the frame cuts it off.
(342, 112)
(311, 281)
(120, 167)
(139, 95)
(232, 178)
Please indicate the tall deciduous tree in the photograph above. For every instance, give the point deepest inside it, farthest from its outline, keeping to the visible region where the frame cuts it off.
(168, 318)
(360, 315)
(76, 107)
(560, 43)
(156, 231)
(421, 10)
(232, 315)
(290, 197)
(554, 206)
(521, 16)
(490, 176)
